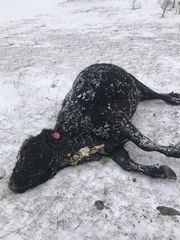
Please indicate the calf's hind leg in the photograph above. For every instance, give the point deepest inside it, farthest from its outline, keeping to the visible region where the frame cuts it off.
(121, 157)
(147, 94)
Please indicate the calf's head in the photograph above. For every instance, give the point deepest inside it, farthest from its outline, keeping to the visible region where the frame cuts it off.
(36, 161)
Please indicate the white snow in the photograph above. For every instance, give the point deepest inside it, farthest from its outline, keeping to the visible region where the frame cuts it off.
(11, 10)
(43, 46)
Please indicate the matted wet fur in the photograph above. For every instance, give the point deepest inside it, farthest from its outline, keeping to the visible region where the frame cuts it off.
(94, 121)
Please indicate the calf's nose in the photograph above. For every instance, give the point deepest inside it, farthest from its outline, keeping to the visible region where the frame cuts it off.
(12, 186)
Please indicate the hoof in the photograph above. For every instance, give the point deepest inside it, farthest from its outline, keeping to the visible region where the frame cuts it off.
(168, 172)
(174, 98)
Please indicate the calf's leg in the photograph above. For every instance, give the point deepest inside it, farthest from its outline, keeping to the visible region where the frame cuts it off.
(121, 128)
(143, 142)
(148, 94)
(121, 157)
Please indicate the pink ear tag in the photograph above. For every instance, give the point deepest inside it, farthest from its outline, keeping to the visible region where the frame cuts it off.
(56, 135)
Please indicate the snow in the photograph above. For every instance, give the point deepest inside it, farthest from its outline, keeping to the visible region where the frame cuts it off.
(43, 46)
(14, 10)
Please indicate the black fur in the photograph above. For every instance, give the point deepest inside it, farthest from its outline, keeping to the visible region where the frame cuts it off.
(95, 112)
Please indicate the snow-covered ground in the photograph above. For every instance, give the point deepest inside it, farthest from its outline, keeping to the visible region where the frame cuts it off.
(43, 46)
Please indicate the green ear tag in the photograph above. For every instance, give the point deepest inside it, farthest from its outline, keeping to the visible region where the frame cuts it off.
(104, 160)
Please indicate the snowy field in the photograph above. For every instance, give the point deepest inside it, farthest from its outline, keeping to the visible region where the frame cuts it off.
(43, 46)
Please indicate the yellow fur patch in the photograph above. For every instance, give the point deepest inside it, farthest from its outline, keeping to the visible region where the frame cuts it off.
(85, 152)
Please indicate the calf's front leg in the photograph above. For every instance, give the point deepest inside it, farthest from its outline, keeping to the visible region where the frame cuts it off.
(121, 126)
(146, 144)
(121, 157)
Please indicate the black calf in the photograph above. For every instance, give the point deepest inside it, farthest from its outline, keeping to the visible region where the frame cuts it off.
(93, 122)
